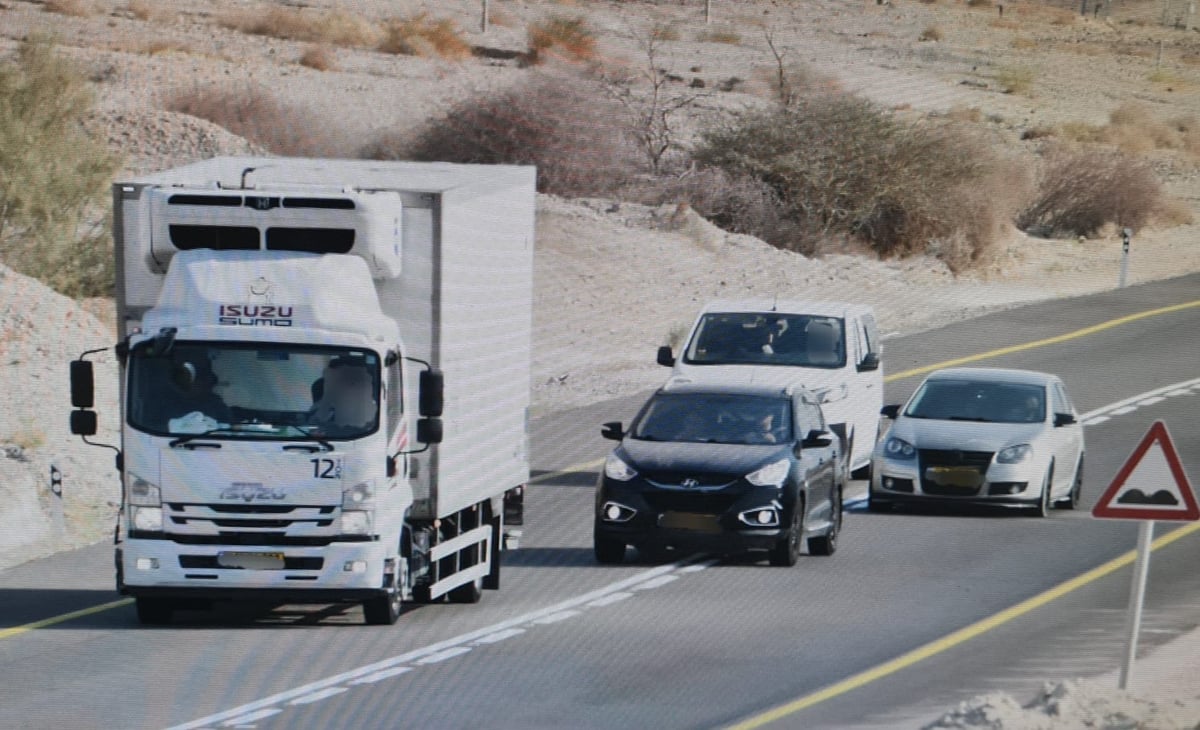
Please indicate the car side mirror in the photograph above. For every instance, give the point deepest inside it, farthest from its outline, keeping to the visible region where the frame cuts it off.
(429, 430)
(869, 362)
(891, 411)
(666, 358)
(613, 431)
(1063, 419)
(816, 438)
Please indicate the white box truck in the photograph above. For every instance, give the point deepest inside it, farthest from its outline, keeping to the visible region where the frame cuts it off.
(325, 374)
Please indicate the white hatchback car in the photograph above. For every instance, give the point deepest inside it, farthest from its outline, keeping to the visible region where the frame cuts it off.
(982, 435)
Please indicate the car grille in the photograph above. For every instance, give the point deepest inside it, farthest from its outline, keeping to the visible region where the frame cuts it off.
(676, 479)
(976, 461)
(707, 504)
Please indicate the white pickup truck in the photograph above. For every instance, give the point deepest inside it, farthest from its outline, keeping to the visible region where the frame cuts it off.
(831, 348)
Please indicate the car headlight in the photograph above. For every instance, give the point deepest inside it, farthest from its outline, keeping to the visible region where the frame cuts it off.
(615, 468)
(356, 522)
(617, 512)
(360, 496)
(771, 474)
(140, 492)
(899, 449)
(1014, 454)
(146, 519)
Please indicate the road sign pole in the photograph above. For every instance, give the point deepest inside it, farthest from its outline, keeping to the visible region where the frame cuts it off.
(1137, 595)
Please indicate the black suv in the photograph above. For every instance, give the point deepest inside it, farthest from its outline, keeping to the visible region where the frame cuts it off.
(721, 468)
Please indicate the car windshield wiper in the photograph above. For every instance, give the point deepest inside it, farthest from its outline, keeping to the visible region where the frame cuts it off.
(976, 419)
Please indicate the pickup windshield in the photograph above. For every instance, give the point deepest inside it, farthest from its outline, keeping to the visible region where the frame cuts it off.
(254, 391)
(715, 418)
(985, 402)
(768, 338)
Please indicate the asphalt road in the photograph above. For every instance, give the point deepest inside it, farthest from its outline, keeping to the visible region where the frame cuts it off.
(567, 643)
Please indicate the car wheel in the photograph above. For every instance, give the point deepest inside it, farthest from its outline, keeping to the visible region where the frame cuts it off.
(608, 551)
(787, 551)
(1042, 507)
(1072, 498)
(862, 472)
(875, 504)
(827, 544)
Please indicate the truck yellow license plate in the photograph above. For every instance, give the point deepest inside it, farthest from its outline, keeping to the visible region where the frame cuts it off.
(954, 476)
(251, 561)
(689, 521)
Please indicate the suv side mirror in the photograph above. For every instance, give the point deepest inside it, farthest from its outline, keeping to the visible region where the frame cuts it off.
(83, 384)
(429, 430)
(666, 358)
(870, 361)
(432, 395)
(891, 411)
(1063, 419)
(613, 431)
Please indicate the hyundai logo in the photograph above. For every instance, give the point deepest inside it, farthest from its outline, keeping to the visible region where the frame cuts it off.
(690, 482)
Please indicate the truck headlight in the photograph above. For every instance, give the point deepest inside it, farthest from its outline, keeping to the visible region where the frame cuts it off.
(1014, 454)
(615, 468)
(146, 519)
(898, 449)
(771, 474)
(360, 496)
(356, 522)
(140, 492)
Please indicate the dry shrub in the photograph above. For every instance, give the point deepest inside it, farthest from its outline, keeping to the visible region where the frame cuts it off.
(1081, 132)
(930, 2)
(1174, 212)
(931, 33)
(960, 113)
(789, 82)
(841, 166)
(72, 8)
(1084, 48)
(570, 38)
(1039, 131)
(336, 27)
(1015, 79)
(576, 134)
(425, 37)
(1022, 43)
(1080, 190)
(980, 3)
(1135, 129)
(157, 48)
(255, 114)
(728, 36)
(148, 10)
(319, 57)
(1004, 24)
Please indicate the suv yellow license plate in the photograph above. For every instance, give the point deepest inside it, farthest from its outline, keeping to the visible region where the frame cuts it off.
(251, 561)
(689, 521)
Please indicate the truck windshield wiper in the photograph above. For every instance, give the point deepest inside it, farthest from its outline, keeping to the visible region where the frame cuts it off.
(323, 444)
(182, 440)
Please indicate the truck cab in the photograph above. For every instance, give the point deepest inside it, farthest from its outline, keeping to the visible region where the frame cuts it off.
(831, 348)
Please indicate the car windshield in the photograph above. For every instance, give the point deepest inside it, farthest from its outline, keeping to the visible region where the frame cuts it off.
(989, 402)
(230, 390)
(741, 338)
(715, 418)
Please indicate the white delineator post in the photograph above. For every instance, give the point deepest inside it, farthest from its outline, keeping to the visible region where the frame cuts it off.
(1137, 596)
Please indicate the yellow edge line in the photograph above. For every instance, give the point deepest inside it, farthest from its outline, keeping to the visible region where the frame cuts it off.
(569, 470)
(1042, 343)
(17, 630)
(958, 637)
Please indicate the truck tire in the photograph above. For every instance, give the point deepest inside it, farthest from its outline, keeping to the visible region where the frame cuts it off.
(154, 611)
(467, 593)
(385, 609)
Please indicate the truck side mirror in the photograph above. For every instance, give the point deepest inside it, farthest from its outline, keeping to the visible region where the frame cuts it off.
(891, 411)
(429, 430)
(870, 361)
(83, 384)
(613, 431)
(83, 422)
(815, 438)
(666, 358)
(432, 395)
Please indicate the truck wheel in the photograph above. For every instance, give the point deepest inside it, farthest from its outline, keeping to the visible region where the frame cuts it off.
(154, 611)
(608, 551)
(383, 610)
(469, 593)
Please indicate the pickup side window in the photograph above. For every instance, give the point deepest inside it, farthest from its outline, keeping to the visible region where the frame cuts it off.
(872, 330)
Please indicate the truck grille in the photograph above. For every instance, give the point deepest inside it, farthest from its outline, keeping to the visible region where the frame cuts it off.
(250, 524)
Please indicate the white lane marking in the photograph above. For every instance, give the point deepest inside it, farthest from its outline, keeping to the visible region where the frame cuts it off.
(1151, 401)
(1180, 391)
(1123, 411)
(411, 656)
(308, 699)
(697, 567)
(381, 675)
(1096, 420)
(445, 654)
(1117, 408)
(661, 580)
(499, 636)
(252, 717)
(556, 617)
(609, 600)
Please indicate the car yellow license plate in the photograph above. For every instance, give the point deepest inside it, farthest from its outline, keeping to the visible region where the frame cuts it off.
(690, 521)
(251, 561)
(954, 476)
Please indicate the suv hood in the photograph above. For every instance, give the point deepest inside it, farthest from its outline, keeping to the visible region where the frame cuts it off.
(700, 457)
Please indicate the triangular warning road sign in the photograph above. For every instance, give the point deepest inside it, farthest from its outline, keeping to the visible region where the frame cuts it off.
(1151, 485)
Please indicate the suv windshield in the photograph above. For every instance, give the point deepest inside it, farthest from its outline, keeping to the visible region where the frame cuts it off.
(715, 418)
(232, 390)
(741, 338)
(964, 400)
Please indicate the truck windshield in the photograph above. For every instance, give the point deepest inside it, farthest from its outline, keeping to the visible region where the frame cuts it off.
(768, 338)
(232, 390)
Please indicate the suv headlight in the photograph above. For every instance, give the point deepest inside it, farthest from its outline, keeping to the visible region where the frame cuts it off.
(898, 449)
(771, 474)
(1014, 454)
(615, 468)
